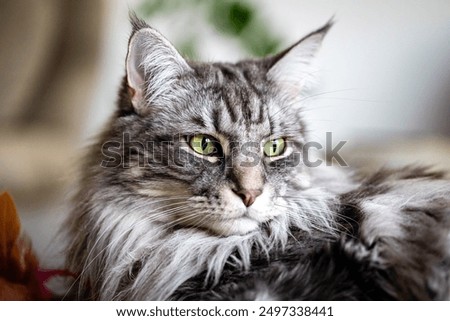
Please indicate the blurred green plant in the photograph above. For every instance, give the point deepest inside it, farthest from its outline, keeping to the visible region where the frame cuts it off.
(232, 18)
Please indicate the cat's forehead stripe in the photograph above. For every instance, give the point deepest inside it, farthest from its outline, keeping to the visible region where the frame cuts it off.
(229, 105)
(242, 99)
(257, 93)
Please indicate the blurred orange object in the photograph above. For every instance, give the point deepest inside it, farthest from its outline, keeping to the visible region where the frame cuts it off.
(18, 264)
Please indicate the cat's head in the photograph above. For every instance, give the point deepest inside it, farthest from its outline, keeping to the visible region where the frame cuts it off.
(214, 146)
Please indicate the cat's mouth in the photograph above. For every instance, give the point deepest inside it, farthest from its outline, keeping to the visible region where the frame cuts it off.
(230, 216)
(250, 214)
(235, 226)
(247, 222)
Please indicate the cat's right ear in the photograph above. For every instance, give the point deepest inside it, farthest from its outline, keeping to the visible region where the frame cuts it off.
(152, 64)
(292, 68)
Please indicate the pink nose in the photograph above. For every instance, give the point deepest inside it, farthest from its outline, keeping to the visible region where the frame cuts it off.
(248, 196)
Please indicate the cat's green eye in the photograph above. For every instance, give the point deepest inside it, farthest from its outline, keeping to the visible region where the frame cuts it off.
(274, 147)
(204, 145)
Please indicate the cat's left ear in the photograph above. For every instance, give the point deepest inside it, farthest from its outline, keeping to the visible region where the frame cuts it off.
(292, 67)
(153, 65)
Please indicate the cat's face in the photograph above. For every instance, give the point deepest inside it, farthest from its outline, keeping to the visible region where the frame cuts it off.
(216, 146)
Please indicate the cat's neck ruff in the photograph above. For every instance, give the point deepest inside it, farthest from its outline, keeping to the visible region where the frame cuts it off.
(136, 258)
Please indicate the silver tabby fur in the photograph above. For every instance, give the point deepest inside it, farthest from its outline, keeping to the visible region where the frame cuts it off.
(164, 223)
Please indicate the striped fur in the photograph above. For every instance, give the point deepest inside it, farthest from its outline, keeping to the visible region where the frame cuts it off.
(153, 220)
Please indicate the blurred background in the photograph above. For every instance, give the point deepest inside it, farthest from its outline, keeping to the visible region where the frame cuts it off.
(384, 80)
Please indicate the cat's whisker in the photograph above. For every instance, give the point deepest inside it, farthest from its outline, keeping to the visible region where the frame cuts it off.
(183, 219)
(436, 191)
(90, 261)
(309, 220)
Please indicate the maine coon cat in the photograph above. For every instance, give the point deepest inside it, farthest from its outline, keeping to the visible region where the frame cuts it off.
(197, 189)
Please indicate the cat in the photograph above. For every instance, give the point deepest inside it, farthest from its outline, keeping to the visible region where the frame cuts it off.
(196, 190)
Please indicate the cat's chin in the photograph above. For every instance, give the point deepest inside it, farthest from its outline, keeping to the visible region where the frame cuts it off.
(239, 226)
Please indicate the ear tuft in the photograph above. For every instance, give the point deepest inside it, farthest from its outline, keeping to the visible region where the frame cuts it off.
(292, 68)
(137, 23)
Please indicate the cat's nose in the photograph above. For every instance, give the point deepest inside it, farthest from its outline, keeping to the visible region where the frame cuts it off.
(248, 196)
